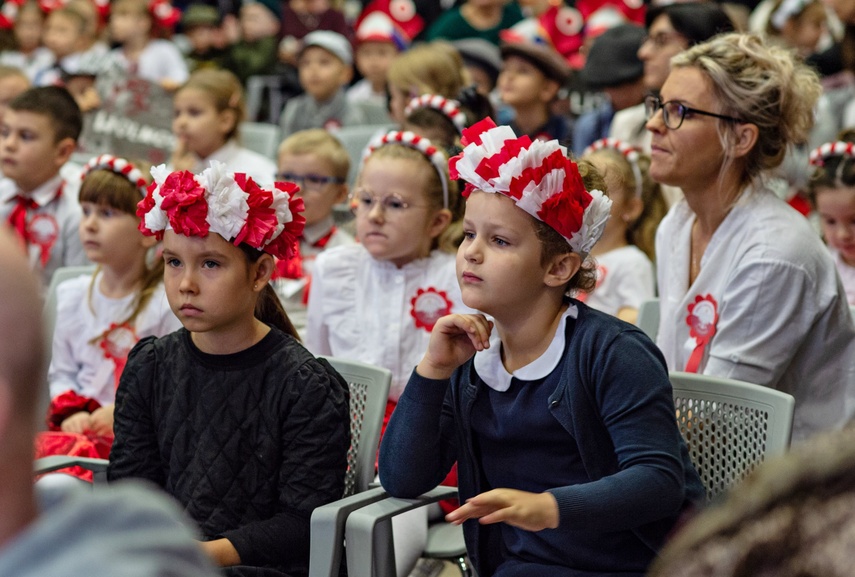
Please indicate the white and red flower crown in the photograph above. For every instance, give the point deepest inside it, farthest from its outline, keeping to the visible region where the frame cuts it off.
(627, 150)
(538, 176)
(231, 205)
(448, 107)
(420, 143)
(118, 165)
(819, 154)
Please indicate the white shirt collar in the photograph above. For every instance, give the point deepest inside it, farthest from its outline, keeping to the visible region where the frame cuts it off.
(224, 154)
(315, 232)
(488, 363)
(42, 195)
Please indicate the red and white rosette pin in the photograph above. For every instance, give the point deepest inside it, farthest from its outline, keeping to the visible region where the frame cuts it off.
(702, 319)
(43, 231)
(428, 306)
(117, 343)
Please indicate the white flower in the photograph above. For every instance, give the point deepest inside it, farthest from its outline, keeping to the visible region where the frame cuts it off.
(227, 202)
(593, 223)
(283, 211)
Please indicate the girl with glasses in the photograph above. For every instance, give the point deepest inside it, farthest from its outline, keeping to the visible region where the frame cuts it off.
(747, 290)
(377, 301)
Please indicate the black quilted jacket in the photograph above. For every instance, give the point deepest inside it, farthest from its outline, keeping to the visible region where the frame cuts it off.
(249, 443)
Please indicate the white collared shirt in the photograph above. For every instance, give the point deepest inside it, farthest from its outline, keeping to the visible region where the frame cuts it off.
(57, 218)
(783, 319)
(78, 363)
(160, 60)
(369, 310)
(489, 366)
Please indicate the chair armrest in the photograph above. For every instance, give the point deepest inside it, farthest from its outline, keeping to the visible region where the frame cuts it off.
(327, 531)
(361, 531)
(56, 462)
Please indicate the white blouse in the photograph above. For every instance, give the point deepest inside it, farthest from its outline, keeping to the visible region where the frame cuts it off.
(769, 303)
(625, 279)
(847, 275)
(369, 310)
(78, 363)
(239, 159)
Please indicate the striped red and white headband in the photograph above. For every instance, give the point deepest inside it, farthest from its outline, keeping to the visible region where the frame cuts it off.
(628, 151)
(416, 142)
(538, 176)
(819, 154)
(448, 107)
(118, 165)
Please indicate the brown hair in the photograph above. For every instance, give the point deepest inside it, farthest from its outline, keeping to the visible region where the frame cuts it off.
(268, 307)
(641, 232)
(449, 239)
(430, 118)
(837, 171)
(107, 188)
(225, 91)
(428, 69)
(556, 245)
(321, 144)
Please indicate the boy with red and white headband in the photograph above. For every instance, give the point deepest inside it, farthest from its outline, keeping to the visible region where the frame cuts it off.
(560, 418)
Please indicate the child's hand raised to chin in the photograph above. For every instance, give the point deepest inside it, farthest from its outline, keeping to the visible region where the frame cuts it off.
(183, 159)
(77, 423)
(528, 511)
(453, 341)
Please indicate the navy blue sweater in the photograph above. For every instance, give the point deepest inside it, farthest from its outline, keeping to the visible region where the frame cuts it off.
(614, 398)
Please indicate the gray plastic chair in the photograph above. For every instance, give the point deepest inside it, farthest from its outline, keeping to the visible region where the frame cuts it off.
(730, 426)
(355, 139)
(648, 318)
(261, 137)
(369, 392)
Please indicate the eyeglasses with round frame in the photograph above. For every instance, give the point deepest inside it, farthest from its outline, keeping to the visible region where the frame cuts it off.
(309, 182)
(362, 202)
(674, 112)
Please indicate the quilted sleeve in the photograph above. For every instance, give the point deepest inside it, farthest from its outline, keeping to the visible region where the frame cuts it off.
(315, 438)
(135, 449)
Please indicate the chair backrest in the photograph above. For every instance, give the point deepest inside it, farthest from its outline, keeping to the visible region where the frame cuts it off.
(355, 139)
(730, 426)
(369, 392)
(261, 137)
(648, 318)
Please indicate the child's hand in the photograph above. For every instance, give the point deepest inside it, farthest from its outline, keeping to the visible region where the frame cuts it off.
(101, 420)
(77, 423)
(182, 159)
(453, 341)
(529, 511)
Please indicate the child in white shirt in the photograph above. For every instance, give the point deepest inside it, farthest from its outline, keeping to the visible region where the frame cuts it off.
(625, 253)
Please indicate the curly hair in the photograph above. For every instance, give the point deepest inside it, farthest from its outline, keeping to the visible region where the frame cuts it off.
(760, 84)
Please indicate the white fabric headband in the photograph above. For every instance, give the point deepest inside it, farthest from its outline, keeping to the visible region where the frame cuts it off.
(416, 142)
(839, 148)
(118, 165)
(629, 152)
(450, 108)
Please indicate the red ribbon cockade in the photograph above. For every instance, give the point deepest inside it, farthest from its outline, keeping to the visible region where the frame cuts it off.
(702, 319)
(428, 306)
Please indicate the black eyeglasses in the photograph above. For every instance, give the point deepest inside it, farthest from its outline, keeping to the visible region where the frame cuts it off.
(309, 181)
(674, 112)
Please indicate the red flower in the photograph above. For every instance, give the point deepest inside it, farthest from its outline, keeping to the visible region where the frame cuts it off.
(145, 205)
(261, 219)
(285, 245)
(564, 212)
(185, 204)
(472, 135)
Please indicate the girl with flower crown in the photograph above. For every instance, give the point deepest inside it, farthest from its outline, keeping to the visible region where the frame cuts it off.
(832, 190)
(101, 316)
(560, 417)
(378, 301)
(230, 414)
(625, 253)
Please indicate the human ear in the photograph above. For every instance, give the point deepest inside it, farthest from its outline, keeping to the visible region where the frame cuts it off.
(549, 90)
(632, 209)
(561, 269)
(148, 241)
(441, 220)
(744, 138)
(264, 267)
(228, 120)
(342, 189)
(64, 150)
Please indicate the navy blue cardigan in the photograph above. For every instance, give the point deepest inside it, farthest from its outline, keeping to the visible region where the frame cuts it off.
(614, 398)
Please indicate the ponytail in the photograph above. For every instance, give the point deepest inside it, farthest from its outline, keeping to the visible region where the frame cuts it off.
(269, 310)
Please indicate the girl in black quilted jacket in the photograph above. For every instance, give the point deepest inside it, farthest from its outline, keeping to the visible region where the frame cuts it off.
(230, 414)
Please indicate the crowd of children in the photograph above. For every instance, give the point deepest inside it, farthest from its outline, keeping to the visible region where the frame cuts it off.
(495, 274)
